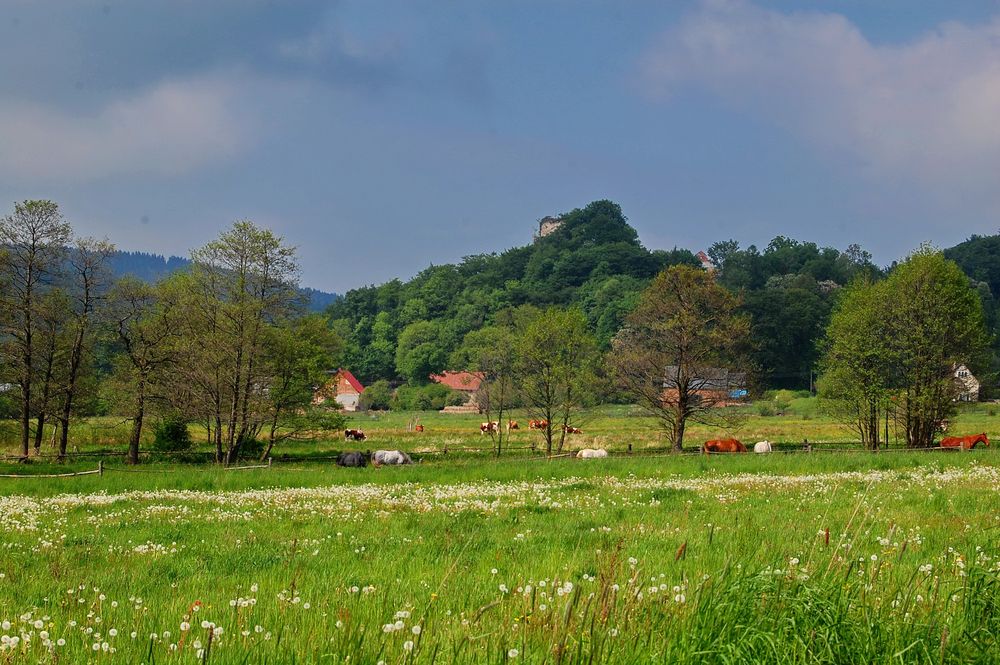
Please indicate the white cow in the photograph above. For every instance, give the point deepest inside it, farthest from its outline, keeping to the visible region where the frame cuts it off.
(592, 453)
(380, 457)
(762, 447)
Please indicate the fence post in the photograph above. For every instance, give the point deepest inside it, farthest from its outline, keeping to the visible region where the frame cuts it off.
(269, 460)
(630, 449)
(100, 467)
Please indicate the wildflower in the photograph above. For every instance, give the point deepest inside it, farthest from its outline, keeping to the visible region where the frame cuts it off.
(114, 632)
(185, 626)
(512, 653)
(416, 629)
(408, 645)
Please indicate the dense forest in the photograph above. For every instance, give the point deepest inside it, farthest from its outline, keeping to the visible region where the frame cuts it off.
(594, 261)
(151, 268)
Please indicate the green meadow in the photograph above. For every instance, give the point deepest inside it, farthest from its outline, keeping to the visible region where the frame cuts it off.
(835, 556)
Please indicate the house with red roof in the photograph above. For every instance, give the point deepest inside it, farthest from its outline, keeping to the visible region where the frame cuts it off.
(343, 388)
(467, 383)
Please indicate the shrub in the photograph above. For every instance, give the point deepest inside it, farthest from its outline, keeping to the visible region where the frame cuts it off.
(377, 396)
(171, 435)
(766, 409)
(251, 449)
(433, 396)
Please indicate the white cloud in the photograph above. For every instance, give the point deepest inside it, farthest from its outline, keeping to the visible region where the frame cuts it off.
(925, 111)
(172, 128)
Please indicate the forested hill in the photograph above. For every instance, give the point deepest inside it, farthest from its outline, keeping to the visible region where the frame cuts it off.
(154, 267)
(593, 260)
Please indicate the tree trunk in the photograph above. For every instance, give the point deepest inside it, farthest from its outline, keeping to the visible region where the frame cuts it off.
(270, 438)
(140, 411)
(74, 370)
(679, 439)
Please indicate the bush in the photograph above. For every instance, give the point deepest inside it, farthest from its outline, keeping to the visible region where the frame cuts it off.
(432, 397)
(251, 449)
(377, 396)
(171, 435)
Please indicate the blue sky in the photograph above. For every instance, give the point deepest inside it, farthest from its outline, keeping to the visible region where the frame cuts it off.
(380, 137)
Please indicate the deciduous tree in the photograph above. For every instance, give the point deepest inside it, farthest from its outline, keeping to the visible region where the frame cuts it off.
(668, 356)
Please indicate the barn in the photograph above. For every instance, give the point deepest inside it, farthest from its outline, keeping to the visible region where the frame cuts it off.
(467, 383)
(713, 386)
(343, 388)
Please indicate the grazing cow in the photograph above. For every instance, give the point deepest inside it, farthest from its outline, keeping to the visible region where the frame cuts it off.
(965, 442)
(353, 459)
(512, 425)
(418, 428)
(354, 435)
(489, 428)
(538, 424)
(572, 430)
(762, 447)
(592, 453)
(387, 457)
(724, 446)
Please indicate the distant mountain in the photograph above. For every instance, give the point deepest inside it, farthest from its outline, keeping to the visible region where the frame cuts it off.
(154, 267)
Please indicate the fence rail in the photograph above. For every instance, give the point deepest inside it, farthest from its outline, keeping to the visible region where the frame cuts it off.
(646, 454)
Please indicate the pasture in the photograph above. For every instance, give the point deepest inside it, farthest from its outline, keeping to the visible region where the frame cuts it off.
(829, 557)
(786, 421)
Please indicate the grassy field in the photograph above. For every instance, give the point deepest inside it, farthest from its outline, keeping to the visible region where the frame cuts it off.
(788, 422)
(786, 558)
(829, 557)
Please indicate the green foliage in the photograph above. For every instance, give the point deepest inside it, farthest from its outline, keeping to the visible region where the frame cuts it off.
(377, 396)
(429, 397)
(594, 260)
(171, 435)
(421, 351)
(894, 345)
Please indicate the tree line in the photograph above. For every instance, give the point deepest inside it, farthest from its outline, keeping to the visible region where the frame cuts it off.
(584, 315)
(226, 343)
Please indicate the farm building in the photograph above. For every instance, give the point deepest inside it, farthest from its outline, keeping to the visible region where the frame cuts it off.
(343, 388)
(466, 383)
(714, 385)
(967, 384)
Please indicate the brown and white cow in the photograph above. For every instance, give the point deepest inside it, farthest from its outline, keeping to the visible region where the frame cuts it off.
(538, 424)
(354, 435)
(572, 430)
(489, 428)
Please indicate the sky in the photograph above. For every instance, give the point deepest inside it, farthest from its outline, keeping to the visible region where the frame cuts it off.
(382, 137)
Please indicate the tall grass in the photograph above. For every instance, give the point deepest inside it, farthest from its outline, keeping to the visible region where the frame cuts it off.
(791, 559)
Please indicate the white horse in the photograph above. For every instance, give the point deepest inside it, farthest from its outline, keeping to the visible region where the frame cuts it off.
(762, 447)
(592, 453)
(380, 457)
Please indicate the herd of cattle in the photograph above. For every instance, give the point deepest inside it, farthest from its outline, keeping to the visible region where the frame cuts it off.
(393, 457)
(492, 427)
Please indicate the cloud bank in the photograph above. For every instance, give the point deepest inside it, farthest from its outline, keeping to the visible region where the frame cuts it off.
(168, 129)
(927, 110)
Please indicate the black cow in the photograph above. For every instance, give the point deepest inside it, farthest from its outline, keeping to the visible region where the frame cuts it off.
(353, 459)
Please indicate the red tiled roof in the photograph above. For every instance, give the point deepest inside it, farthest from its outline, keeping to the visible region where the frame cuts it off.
(351, 380)
(464, 381)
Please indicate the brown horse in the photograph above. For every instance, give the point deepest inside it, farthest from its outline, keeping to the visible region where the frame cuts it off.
(723, 446)
(965, 442)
